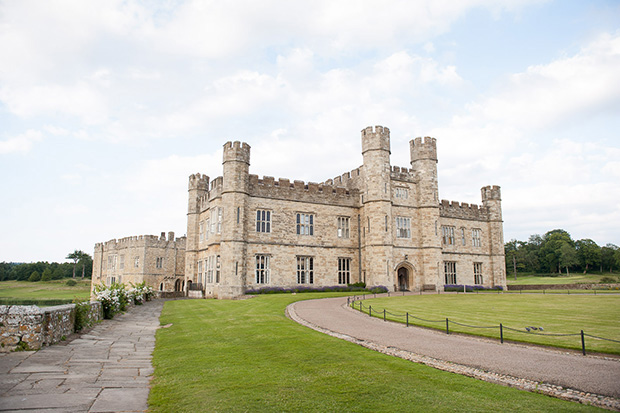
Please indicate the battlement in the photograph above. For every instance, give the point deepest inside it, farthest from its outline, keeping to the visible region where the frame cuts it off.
(491, 192)
(454, 209)
(141, 241)
(198, 181)
(403, 174)
(237, 151)
(214, 191)
(423, 149)
(283, 188)
(375, 138)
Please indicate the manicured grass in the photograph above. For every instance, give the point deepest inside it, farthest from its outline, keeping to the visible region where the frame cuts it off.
(557, 314)
(560, 279)
(57, 289)
(247, 356)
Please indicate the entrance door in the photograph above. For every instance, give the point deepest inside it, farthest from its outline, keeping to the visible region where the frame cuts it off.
(403, 279)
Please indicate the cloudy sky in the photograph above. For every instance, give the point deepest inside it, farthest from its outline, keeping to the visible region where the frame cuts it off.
(107, 106)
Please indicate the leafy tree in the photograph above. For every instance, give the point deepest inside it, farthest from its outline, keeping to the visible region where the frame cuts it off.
(58, 273)
(567, 257)
(588, 253)
(87, 265)
(550, 247)
(35, 276)
(75, 256)
(47, 274)
(607, 257)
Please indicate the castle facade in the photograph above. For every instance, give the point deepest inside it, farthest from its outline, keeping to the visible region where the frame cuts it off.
(379, 224)
(157, 261)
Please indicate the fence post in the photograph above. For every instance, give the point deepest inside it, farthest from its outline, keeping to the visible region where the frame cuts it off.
(407, 319)
(384, 314)
(388, 293)
(370, 310)
(568, 291)
(447, 328)
(360, 305)
(583, 344)
(501, 333)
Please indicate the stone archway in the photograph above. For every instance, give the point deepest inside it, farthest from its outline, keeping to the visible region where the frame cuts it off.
(177, 285)
(403, 279)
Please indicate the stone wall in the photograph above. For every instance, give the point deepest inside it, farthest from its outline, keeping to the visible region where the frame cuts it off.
(28, 327)
(563, 287)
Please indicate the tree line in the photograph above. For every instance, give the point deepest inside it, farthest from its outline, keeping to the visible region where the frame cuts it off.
(557, 252)
(81, 266)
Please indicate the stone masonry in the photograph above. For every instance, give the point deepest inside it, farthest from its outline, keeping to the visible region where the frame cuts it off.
(379, 224)
(157, 261)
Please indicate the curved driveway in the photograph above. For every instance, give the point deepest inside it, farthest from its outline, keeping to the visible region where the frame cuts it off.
(589, 374)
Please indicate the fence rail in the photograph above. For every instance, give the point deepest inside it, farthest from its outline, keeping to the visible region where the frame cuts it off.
(358, 304)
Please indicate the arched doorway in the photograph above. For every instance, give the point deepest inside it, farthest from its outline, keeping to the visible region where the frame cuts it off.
(177, 285)
(403, 279)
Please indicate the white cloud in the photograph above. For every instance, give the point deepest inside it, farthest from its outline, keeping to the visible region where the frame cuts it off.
(20, 143)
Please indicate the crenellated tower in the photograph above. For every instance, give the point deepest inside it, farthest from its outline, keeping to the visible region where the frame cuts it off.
(424, 165)
(197, 188)
(233, 247)
(376, 216)
(492, 201)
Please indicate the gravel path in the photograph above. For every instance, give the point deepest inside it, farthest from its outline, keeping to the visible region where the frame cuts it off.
(568, 375)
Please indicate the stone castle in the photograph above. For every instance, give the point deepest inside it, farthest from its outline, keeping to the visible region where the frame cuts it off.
(379, 224)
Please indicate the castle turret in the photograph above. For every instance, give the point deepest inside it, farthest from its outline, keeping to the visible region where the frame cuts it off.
(492, 200)
(197, 188)
(376, 219)
(233, 247)
(424, 165)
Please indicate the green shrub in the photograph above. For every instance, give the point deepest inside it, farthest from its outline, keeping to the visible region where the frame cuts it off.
(358, 284)
(81, 315)
(608, 280)
(34, 277)
(71, 283)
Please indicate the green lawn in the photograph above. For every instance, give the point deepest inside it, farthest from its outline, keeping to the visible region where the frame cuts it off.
(557, 314)
(57, 289)
(560, 279)
(245, 355)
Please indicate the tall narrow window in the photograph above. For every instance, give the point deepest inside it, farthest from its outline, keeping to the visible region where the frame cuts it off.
(478, 273)
(475, 237)
(305, 270)
(219, 220)
(238, 214)
(136, 261)
(201, 230)
(386, 223)
(207, 228)
(200, 276)
(450, 272)
(122, 264)
(217, 269)
(159, 262)
(403, 227)
(463, 236)
(305, 224)
(343, 227)
(448, 235)
(344, 270)
(402, 193)
(209, 262)
(262, 269)
(263, 220)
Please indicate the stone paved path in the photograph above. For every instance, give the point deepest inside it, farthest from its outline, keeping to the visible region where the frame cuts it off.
(106, 370)
(587, 374)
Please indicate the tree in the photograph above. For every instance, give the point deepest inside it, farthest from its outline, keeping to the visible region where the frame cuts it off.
(47, 274)
(567, 257)
(550, 247)
(35, 276)
(588, 253)
(607, 256)
(75, 256)
(87, 265)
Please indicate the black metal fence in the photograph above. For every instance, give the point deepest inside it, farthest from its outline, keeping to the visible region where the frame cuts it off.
(408, 319)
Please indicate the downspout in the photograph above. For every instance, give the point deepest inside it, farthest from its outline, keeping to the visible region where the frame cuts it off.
(359, 248)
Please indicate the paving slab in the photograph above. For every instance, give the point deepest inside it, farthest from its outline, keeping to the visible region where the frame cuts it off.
(107, 369)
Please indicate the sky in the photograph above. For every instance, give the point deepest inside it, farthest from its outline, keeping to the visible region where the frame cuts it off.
(106, 107)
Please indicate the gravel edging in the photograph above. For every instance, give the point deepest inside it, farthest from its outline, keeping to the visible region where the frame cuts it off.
(605, 402)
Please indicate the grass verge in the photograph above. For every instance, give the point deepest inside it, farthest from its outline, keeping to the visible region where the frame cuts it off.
(558, 279)
(245, 355)
(45, 290)
(556, 313)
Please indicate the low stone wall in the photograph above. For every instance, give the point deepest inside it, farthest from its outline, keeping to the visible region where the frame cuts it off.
(28, 327)
(564, 287)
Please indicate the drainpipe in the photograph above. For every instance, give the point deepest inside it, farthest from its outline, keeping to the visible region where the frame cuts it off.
(359, 248)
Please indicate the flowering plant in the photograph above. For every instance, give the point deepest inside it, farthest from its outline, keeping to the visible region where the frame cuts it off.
(114, 298)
